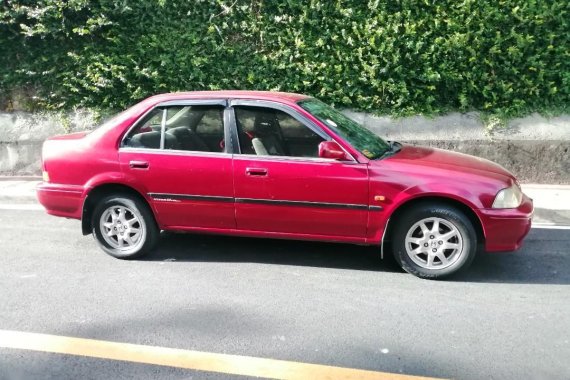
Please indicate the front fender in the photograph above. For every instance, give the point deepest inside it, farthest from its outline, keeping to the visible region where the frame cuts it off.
(456, 192)
(401, 197)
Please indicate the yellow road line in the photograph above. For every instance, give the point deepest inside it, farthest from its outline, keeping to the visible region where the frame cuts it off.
(187, 359)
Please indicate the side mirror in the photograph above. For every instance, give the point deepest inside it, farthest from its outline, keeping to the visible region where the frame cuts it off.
(331, 149)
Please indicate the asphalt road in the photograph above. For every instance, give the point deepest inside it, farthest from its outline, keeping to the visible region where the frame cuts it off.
(507, 318)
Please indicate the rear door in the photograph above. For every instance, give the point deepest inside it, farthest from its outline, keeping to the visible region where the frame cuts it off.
(177, 154)
(282, 186)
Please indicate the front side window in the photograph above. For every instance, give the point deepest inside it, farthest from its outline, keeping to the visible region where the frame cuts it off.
(369, 144)
(191, 128)
(270, 132)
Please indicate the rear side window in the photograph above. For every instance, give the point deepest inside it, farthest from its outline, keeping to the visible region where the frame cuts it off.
(188, 128)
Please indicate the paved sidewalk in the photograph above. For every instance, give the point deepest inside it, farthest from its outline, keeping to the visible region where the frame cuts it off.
(18, 191)
(552, 202)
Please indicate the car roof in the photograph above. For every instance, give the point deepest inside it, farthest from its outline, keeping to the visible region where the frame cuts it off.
(285, 97)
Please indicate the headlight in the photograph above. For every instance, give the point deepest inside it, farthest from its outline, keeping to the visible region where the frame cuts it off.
(510, 197)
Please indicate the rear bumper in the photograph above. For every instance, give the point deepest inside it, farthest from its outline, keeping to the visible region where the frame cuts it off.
(505, 229)
(61, 200)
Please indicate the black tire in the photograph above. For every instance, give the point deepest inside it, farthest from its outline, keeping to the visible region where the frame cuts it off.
(447, 216)
(144, 222)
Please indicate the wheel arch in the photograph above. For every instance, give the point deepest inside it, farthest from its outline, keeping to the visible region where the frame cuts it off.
(429, 199)
(102, 190)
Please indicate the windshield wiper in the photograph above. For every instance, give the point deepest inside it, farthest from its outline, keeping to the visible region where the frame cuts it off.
(395, 147)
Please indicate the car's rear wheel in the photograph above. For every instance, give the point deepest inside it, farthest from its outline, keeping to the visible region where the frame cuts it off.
(434, 241)
(124, 226)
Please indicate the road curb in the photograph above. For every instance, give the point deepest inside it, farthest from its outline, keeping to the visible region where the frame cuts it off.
(545, 186)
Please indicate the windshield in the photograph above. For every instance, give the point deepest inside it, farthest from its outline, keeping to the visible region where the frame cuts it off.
(358, 136)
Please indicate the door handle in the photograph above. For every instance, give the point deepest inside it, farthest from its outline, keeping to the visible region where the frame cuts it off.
(138, 164)
(258, 172)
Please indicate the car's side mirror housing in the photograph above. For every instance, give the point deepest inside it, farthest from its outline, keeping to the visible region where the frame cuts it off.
(331, 149)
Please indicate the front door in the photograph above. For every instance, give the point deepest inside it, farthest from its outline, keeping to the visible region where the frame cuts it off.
(178, 153)
(282, 186)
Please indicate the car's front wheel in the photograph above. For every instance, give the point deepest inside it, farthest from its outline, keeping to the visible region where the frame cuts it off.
(124, 226)
(434, 241)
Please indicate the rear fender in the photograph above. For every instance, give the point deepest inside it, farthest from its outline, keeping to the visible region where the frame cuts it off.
(108, 179)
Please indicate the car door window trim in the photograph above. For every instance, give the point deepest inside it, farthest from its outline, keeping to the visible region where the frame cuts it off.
(295, 115)
(284, 108)
(230, 131)
(172, 103)
(193, 102)
(292, 158)
(163, 127)
(174, 152)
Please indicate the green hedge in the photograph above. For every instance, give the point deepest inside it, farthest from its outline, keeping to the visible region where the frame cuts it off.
(397, 57)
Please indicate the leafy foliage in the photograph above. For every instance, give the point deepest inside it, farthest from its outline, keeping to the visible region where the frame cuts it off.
(398, 57)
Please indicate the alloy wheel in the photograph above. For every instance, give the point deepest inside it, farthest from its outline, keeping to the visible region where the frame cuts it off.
(122, 228)
(434, 243)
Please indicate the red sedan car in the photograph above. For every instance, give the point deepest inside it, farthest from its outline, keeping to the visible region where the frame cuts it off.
(278, 165)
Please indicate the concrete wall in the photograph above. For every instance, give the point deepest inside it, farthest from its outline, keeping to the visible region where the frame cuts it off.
(22, 135)
(535, 148)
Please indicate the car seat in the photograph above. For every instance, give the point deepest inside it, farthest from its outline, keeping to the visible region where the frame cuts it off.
(188, 140)
(266, 130)
(152, 140)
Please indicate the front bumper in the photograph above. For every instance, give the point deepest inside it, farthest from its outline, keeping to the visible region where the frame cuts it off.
(505, 229)
(61, 200)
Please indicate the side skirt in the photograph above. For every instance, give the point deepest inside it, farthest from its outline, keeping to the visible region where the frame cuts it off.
(271, 235)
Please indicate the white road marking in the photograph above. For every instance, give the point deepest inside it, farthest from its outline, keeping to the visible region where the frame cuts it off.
(28, 275)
